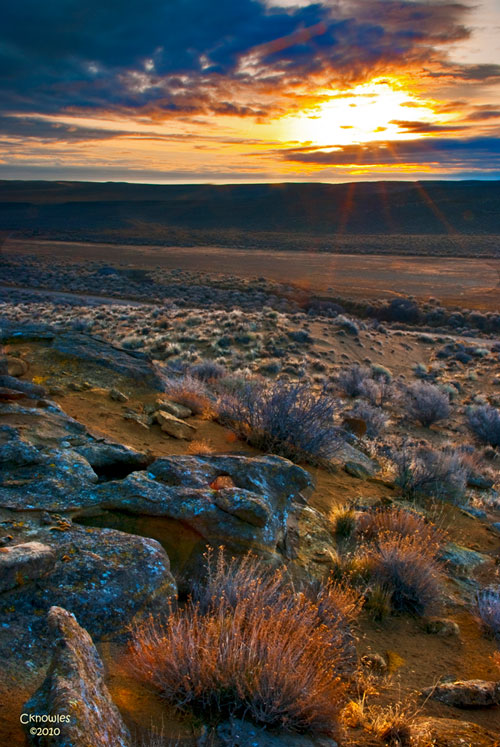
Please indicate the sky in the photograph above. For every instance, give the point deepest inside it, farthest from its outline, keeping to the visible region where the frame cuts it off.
(249, 90)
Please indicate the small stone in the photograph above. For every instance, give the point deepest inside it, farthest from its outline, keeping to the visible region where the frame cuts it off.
(175, 426)
(117, 396)
(375, 663)
(174, 408)
(75, 386)
(55, 391)
(355, 469)
(442, 626)
(16, 366)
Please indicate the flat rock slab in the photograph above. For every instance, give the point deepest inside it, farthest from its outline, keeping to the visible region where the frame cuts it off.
(461, 558)
(75, 688)
(87, 349)
(90, 350)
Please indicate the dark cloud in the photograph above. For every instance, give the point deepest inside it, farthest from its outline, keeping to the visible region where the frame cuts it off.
(178, 56)
(481, 72)
(46, 131)
(484, 112)
(445, 153)
(426, 128)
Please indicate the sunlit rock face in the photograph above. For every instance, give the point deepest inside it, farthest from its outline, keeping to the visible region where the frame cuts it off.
(74, 689)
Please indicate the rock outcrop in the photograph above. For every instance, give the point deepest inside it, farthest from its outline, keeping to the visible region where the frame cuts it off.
(74, 689)
(88, 350)
(106, 578)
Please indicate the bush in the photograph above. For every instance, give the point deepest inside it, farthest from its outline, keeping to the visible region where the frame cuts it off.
(488, 605)
(352, 379)
(207, 370)
(249, 647)
(425, 471)
(282, 418)
(404, 567)
(427, 404)
(399, 522)
(484, 422)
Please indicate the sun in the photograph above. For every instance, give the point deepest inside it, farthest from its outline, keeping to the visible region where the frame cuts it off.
(369, 111)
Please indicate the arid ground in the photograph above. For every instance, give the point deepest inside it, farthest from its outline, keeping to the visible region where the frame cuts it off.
(460, 281)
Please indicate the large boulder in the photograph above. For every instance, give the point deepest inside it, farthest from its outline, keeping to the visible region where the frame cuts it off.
(75, 692)
(105, 577)
(251, 515)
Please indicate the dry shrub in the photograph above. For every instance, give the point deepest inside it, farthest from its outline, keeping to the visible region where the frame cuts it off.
(427, 404)
(247, 646)
(425, 471)
(408, 570)
(484, 422)
(291, 420)
(199, 447)
(488, 607)
(402, 523)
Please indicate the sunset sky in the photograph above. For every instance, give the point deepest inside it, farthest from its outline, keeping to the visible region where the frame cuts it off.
(249, 90)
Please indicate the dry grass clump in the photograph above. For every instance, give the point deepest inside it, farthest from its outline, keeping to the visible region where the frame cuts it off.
(394, 725)
(199, 447)
(400, 522)
(378, 602)
(343, 519)
(408, 571)
(248, 646)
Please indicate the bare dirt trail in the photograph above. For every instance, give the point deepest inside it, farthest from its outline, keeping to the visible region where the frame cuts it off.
(467, 282)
